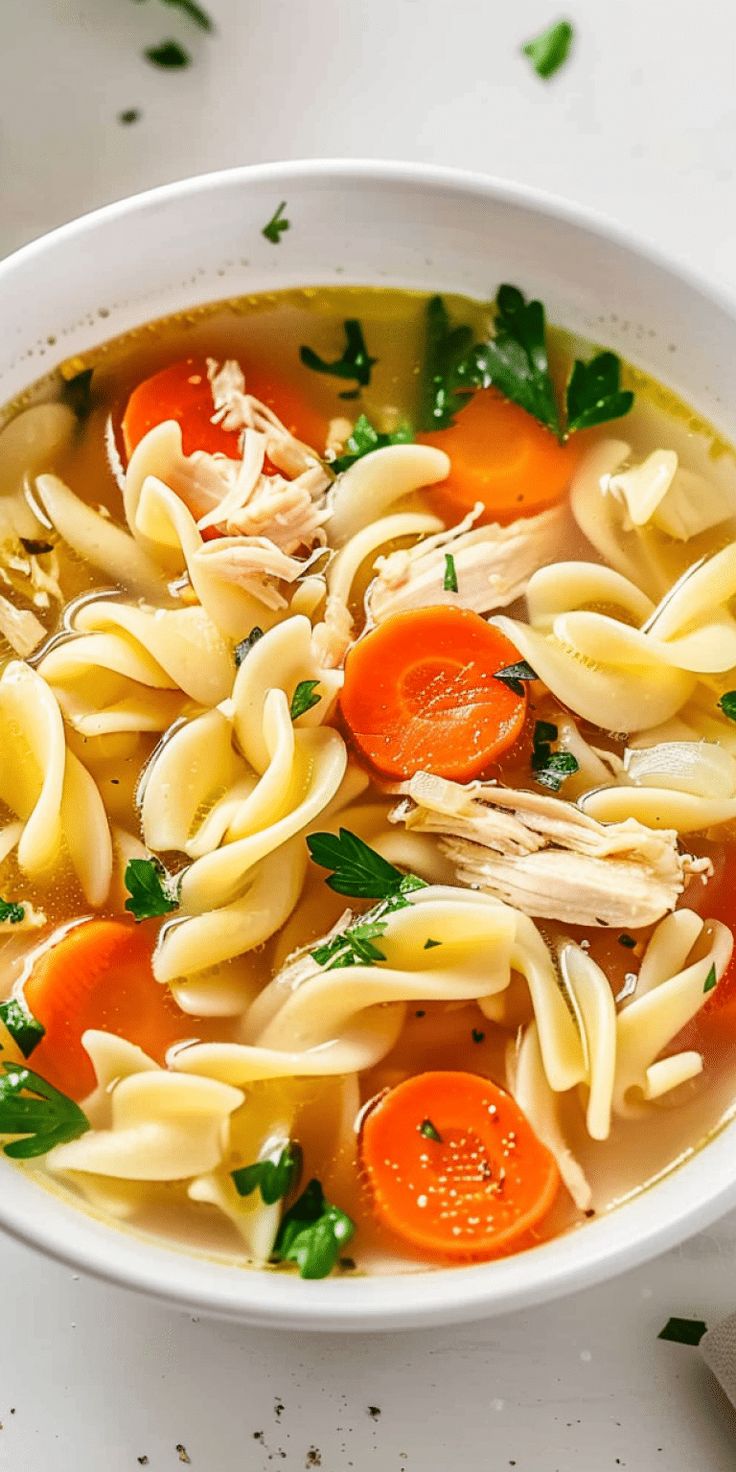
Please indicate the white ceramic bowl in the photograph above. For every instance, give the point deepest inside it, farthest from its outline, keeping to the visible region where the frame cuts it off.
(366, 223)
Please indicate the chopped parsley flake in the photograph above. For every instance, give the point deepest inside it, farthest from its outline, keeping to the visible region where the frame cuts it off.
(34, 1109)
(304, 698)
(151, 889)
(515, 675)
(276, 225)
(312, 1233)
(450, 579)
(727, 704)
(550, 768)
(429, 945)
(273, 1178)
(169, 55)
(549, 51)
(246, 644)
(711, 980)
(23, 1027)
(363, 439)
(355, 361)
(11, 913)
(430, 1131)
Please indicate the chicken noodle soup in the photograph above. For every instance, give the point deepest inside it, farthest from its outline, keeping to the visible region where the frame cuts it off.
(368, 780)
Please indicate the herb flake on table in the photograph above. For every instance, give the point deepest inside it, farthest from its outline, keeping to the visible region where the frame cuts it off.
(168, 55)
(355, 361)
(129, 115)
(313, 1233)
(275, 1179)
(277, 225)
(151, 889)
(683, 1331)
(304, 698)
(357, 868)
(549, 51)
(24, 1028)
(34, 1109)
(364, 438)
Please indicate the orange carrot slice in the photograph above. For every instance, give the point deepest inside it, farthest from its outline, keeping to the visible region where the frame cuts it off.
(420, 694)
(503, 457)
(182, 392)
(98, 975)
(454, 1167)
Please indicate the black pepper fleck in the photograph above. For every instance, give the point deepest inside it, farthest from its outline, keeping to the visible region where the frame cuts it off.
(374, 1412)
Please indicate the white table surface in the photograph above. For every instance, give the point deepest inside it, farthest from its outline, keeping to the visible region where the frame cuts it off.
(641, 125)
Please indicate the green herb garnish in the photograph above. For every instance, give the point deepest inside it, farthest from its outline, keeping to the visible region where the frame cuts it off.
(514, 675)
(429, 945)
(304, 698)
(31, 1107)
(683, 1331)
(548, 51)
(727, 704)
(354, 945)
(151, 889)
(363, 439)
(515, 361)
(23, 1027)
(711, 980)
(11, 913)
(594, 393)
(273, 1178)
(450, 370)
(129, 115)
(550, 767)
(355, 361)
(449, 581)
(358, 869)
(627, 940)
(246, 644)
(477, 1035)
(169, 55)
(77, 393)
(312, 1233)
(430, 1131)
(276, 225)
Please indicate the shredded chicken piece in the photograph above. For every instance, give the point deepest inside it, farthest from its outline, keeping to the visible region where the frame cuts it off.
(234, 408)
(493, 565)
(547, 858)
(332, 638)
(256, 564)
(291, 513)
(23, 631)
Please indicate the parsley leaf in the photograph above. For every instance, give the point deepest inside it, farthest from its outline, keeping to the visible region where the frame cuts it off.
(11, 913)
(355, 362)
(683, 1331)
(550, 767)
(194, 12)
(515, 359)
(23, 1027)
(513, 676)
(550, 50)
(276, 225)
(449, 581)
(430, 1131)
(246, 644)
(477, 1035)
(727, 704)
(358, 869)
(430, 944)
(304, 698)
(150, 888)
(364, 438)
(594, 393)
(711, 980)
(169, 55)
(31, 1107)
(312, 1233)
(273, 1178)
(352, 946)
(77, 393)
(450, 370)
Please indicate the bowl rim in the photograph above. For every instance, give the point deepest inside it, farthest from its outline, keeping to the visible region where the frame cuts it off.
(389, 1301)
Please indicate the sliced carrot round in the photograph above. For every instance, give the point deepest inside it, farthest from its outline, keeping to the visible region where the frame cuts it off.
(98, 975)
(454, 1167)
(182, 392)
(420, 694)
(502, 456)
